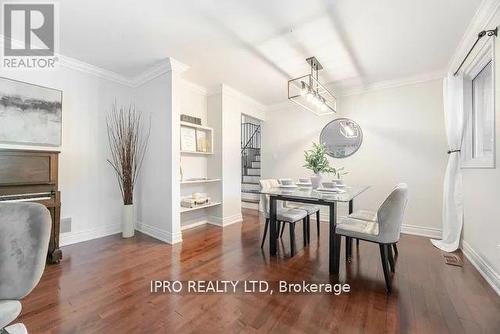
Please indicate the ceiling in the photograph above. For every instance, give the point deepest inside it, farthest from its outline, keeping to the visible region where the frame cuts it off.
(256, 46)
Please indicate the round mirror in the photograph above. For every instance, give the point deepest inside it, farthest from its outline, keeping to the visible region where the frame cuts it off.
(342, 137)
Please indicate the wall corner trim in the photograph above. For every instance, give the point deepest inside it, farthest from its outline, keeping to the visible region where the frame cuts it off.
(159, 234)
(488, 273)
(480, 21)
(165, 66)
(225, 221)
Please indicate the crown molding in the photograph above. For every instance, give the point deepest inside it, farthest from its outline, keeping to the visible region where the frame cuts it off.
(362, 89)
(481, 20)
(165, 66)
(83, 67)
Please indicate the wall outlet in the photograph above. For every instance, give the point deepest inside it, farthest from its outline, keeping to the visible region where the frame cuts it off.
(65, 225)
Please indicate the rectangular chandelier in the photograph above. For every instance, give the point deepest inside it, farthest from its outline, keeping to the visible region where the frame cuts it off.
(309, 93)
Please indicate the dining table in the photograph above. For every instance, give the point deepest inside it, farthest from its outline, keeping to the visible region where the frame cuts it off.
(327, 197)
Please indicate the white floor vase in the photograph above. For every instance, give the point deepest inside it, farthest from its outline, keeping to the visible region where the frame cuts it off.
(128, 226)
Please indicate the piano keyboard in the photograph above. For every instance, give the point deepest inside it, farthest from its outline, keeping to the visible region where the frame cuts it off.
(26, 197)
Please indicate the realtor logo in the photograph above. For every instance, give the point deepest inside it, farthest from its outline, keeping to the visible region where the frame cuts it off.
(29, 31)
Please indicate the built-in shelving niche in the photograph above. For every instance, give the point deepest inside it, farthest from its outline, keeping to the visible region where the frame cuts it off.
(194, 162)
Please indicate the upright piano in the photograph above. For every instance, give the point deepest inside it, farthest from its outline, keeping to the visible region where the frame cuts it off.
(32, 176)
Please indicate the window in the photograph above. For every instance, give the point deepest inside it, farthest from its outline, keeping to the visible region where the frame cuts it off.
(478, 149)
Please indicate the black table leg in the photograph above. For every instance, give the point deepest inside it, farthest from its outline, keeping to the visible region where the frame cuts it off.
(273, 232)
(334, 245)
(304, 231)
(349, 240)
(308, 229)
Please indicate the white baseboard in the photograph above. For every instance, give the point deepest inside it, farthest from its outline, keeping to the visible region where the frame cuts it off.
(430, 232)
(193, 224)
(85, 235)
(422, 231)
(162, 235)
(247, 205)
(223, 222)
(489, 274)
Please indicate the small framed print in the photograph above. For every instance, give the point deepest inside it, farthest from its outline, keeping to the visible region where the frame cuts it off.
(201, 141)
(188, 139)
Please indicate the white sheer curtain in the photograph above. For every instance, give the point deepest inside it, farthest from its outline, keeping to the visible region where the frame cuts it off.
(453, 98)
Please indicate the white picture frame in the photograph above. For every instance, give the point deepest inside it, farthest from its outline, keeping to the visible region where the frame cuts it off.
(188, 139)
(201, 141)
(30, 114)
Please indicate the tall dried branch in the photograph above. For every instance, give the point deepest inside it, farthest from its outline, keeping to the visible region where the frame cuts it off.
(128, 143)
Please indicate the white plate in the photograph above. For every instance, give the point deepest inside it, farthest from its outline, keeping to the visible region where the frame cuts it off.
(288, 186)
(304, 184)
(332, 190)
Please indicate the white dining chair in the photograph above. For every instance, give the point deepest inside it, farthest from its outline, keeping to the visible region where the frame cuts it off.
(311, 209)
(283, 214)
(382, 227)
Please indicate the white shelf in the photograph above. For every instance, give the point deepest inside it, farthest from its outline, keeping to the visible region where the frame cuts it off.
(195, 152)
(200, 181)
(192, 125)
(200, 207)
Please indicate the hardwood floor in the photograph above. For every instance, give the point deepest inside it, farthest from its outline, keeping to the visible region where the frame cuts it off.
(103, 286)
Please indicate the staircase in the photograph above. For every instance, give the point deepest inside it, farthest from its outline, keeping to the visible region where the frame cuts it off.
(250, 165)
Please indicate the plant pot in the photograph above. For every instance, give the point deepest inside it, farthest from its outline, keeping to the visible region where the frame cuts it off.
(128, 226)
(316, 181)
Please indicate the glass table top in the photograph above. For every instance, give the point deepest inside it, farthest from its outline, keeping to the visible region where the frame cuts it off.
(345, 194)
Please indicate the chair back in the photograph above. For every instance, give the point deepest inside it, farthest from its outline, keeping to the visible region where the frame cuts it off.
(390, 214)
(24, 241)
(264, 199)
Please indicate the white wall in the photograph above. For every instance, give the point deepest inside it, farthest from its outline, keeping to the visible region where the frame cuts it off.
(225, 108)
(89, 190)
(403, 141)
(193, 100)
(159, 189)
(194, 103)
(481, 234)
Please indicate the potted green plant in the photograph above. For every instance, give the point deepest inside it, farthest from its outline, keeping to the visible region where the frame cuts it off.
(317, 161)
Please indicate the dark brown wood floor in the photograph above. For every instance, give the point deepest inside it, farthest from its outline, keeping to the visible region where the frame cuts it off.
(102, 286)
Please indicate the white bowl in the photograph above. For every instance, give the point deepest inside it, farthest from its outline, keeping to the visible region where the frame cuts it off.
(328, 185)
(286, 182)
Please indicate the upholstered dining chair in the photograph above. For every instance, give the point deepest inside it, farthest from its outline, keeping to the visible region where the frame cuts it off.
(370, 216)
(311, 209)
(384, 228)
(24, 240)
(283, 215)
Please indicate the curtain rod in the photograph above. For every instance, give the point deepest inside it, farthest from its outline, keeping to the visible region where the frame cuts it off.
(493, 32)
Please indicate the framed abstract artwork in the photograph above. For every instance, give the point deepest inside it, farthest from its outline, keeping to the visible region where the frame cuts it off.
(29, 114)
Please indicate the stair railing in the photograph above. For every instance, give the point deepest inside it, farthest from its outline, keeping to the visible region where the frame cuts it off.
(250, 136)
(250, 146)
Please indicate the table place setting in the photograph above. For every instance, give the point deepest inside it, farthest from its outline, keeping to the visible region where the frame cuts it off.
(287, 184)
(304, 183)
(335, 186)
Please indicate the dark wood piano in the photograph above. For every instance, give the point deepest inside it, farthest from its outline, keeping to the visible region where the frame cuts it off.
(27, 175)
